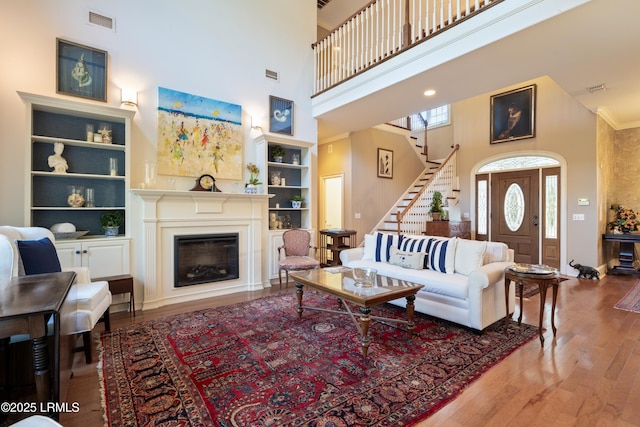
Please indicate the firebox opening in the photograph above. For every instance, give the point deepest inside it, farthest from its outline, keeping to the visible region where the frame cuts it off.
(205, 258)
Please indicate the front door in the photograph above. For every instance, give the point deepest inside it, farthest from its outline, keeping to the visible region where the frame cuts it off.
(515, 213)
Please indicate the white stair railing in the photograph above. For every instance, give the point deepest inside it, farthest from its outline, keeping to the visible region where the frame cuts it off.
(382, 29)
(411, 212)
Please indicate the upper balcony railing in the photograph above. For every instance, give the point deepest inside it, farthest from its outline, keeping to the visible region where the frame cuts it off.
(383, 29)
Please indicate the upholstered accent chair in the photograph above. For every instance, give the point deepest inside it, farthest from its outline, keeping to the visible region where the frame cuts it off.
(88, 302)
(296, 248)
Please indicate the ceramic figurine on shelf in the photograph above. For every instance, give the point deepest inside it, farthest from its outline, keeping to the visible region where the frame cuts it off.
(105, 131)
(56, 161)
(275, 178)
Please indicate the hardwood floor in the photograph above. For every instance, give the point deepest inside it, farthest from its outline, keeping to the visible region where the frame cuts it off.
(588, 376)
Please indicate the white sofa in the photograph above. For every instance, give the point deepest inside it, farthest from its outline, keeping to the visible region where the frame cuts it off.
(463, 281)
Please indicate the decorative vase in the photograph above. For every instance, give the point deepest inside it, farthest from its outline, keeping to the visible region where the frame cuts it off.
(296, 204)
(76, 196)
(277, 159)
(111, 231)
(251, 189)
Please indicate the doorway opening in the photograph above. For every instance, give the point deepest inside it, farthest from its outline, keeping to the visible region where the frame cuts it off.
(518, 201)
(332, 202)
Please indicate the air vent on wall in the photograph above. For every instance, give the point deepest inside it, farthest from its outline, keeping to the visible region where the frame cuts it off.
(273, 75)
(101, 20)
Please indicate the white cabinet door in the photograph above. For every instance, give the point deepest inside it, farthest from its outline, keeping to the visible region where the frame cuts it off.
(104, 257)
(69, 254)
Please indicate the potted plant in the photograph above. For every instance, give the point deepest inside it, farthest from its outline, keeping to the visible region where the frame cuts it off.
(278, 153)
(296, 202)
(436, 206)
(254, 181)
(111, 222)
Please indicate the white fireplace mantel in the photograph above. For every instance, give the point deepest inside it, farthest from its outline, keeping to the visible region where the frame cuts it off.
(164, 214)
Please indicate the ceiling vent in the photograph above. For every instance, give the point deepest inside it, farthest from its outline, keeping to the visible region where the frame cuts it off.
(597, 88)
(273, 75)
(101, 20)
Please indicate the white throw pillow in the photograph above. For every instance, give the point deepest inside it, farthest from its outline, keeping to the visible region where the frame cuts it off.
(469, 255)
(413, 260)
(441, 254)
(496, 252)
(369, 248)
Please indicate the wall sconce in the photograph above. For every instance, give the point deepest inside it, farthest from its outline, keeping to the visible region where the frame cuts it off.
(255, 123)
(129, 97)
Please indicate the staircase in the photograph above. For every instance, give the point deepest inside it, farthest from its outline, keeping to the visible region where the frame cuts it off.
(411, 211)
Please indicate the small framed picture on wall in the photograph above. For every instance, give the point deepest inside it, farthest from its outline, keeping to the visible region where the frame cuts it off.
(81, 71)
(513, 115)
(280, 115)
(385, 163)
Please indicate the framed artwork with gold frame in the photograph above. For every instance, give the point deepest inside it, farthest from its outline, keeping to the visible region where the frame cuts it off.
(513, 115)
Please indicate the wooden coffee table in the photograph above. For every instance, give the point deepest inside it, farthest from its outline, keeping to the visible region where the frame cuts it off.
(338, 281)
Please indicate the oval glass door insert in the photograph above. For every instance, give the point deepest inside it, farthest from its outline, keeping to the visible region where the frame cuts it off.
(514, 207)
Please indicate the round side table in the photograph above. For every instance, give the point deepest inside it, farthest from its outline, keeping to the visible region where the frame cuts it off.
(527, 274)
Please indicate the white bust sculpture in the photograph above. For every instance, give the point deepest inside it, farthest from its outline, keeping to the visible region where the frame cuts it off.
(56, 161)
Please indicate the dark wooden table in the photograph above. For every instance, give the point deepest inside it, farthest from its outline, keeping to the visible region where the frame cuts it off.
(121, 284)
(334, 242)
(26, 305)
(625, 256)
(544, 281)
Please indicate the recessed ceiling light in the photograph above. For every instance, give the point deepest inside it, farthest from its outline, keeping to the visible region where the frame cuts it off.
(429, 92)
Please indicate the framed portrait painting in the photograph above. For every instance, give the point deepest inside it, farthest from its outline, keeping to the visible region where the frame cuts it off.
(513, 115)
(81, 71)
(280, 115)
(385, 163)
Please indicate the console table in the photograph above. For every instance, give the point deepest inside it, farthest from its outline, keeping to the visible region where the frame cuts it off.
(461, 229)
(625, 256)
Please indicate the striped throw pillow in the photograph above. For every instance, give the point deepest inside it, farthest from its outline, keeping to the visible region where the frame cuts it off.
(383, 244)
(441, 255)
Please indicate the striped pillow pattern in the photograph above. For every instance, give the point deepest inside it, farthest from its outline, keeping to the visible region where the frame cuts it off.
(436, 258)
(435, 250)
(384, 242)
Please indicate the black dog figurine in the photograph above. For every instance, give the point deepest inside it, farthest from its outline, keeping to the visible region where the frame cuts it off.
(586, 271)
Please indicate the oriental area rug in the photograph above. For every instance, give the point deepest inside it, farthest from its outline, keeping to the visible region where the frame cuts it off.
(631, 301)
(257, 364)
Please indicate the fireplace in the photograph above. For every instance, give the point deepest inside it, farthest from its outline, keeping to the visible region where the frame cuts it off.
(205, 258)
(166, 214)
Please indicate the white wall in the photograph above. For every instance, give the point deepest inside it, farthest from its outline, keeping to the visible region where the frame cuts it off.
(213, 48)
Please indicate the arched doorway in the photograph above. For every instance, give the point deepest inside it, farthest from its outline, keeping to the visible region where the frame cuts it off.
(518, 200)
